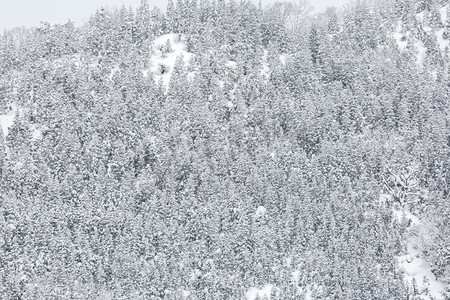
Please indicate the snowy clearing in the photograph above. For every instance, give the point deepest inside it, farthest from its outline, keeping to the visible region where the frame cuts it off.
(443, 12)
(443, 43)
(253, 292)
(417, 269)
(7, 119)
(399, 37)
(421, 53)
(165, 51)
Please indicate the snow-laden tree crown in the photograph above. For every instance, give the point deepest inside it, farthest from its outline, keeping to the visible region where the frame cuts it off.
(225, 150)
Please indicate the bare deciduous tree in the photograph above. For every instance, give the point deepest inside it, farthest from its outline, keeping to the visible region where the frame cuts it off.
(292, 14)
(402, 185)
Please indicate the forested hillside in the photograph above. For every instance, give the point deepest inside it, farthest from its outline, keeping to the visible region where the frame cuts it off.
(228, 150)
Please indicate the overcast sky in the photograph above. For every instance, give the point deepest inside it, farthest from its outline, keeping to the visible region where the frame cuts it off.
(14, 13)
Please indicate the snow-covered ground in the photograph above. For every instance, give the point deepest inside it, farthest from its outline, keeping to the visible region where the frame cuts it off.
(265, 291)
(443, 12)
(413, 264)
(398, 35)
(402, 214)
(253, 292)
(6, 120)
(261, 212)
(165, 51)
(421, 53)
(417, 269)
(443, 43)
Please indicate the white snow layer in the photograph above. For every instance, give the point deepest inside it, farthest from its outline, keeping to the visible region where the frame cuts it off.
(261, 212)
(164, 57)
(7, 120)
(36, 133)
(231, 64)
(283, 59)
(443, 12)
(413, 263)
(420, 16)
(296, 277)
(416, 268)
(440, 39)
(253, 292)
(308, 294)
(398, 35)
(401, 215)
(421, 53)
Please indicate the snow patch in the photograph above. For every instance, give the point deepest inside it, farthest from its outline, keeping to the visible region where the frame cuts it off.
(195, 275)
(308, 293)
(296, 277)
(36, 133)
(384, 199)
(421, 53)
(114, 70)
(420, 16)
(440, 39)
(402, 215)
(261, 212)
(399, 37)
(253, 292)
(417, 269)
(427, 29)
(443, 12)
(165, 51)
(231, 64)
(7, 120)
(186, 294)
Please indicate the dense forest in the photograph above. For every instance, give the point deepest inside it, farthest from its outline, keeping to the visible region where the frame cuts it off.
(228, 150)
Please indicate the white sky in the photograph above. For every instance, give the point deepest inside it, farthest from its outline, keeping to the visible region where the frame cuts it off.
(16, 13)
